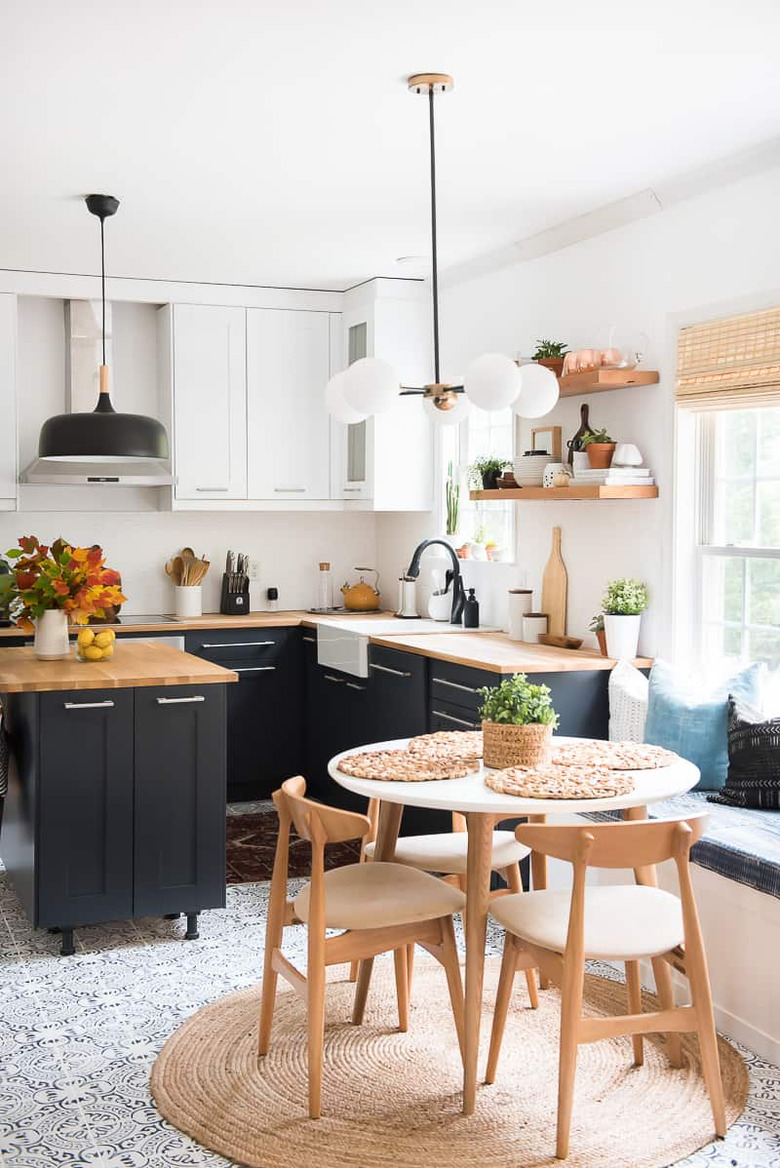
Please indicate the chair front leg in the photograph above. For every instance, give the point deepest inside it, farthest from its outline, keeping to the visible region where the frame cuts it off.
(571, 1013)
(402, 987)
(503, 996)
(634, 993)
(449, 959)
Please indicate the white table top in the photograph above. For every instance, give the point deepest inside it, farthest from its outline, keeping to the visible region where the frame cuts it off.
(471, 794)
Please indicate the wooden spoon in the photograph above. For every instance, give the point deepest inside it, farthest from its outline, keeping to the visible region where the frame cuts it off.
(178, 570)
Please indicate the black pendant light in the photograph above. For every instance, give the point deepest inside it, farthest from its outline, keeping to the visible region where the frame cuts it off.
(104, 435)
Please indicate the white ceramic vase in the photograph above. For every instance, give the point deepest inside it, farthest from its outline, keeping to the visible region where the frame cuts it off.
(51, 635)
(188, 601)
(622, 636)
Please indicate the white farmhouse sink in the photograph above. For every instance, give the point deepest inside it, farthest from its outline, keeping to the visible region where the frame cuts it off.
(344, 644)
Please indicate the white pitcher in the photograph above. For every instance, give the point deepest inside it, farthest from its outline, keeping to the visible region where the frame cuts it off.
(51, 635)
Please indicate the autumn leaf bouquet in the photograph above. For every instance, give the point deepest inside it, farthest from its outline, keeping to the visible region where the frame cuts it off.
(73, 580)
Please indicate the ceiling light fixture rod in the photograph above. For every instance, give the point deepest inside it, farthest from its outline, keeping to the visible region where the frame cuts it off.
(434, 252)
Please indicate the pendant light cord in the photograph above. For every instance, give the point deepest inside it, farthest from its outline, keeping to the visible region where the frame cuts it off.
(103, 282)
(434, 257)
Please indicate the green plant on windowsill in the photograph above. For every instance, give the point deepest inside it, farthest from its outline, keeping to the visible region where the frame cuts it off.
(484, 472)
(597, 623)
(452, 495)
(549, 350)
(625, 598)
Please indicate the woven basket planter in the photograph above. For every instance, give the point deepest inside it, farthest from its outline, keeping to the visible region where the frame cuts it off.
(508, 745)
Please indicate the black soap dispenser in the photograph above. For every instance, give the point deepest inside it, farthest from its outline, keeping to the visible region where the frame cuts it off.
(471, 611)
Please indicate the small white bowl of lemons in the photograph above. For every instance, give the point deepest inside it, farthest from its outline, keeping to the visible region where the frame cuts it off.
(95, 646)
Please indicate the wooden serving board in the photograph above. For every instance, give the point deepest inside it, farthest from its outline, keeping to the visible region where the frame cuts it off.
(554, 588)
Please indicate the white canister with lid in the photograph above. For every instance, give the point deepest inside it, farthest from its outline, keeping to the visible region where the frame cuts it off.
(534, 623)
(519, 602)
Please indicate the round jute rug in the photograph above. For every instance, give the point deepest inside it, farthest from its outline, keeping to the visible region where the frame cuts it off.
(392, 1100)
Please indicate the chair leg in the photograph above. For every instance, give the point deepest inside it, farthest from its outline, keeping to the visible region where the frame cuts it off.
(503, 995)
(316, 1033)
(463, 886)
(708, 1039)
(571, 1011)
(354, 967)
(663, 985)
(273, 940)
(513, 878)
(533, 992)
(361, 991)
(634, 991)
(402, 987)
(409, 967)
(449, 960)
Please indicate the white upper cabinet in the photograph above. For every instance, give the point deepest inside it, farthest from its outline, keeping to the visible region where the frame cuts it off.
(7, 402)
(288, 366)
(210, 403)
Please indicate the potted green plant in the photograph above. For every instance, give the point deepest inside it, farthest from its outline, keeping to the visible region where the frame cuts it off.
(600, 448)
(551, 354)
(452, 496)
(485, 472)
(623, 604)
(597, 626)
(517, 723)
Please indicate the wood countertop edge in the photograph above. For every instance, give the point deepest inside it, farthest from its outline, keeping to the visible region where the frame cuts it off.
(552, 660)
(67, 674)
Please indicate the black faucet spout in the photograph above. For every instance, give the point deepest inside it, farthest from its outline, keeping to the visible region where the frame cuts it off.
(458, 594)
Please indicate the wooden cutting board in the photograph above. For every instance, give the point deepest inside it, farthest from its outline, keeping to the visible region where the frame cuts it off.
(555, 585)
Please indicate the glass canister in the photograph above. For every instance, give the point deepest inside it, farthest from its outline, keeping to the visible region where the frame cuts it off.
(323, 596)
(95, 644)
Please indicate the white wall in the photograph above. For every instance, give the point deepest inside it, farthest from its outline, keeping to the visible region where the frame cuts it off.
(716, 253)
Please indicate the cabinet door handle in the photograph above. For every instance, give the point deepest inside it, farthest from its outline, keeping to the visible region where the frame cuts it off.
(387, 669)
(88, 705)
(290, 490)
(330, 677)
(235, 644)
(179, 701)
(455, 685)
(457, 721)
(352, 489)
(351, 685)
(212, 490)
(310, 640)
(252, 668)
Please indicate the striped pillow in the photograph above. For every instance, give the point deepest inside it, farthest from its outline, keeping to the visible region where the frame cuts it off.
(754, 760)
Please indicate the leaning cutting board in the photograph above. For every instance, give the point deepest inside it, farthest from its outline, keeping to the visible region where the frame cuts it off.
(554, 588)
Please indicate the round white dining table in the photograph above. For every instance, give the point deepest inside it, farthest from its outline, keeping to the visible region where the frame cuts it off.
(482, 807)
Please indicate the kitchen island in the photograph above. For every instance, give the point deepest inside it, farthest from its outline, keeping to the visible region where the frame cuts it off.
(116, 797)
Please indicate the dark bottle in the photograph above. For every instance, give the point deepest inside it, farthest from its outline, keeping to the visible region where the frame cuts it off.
(471, 611)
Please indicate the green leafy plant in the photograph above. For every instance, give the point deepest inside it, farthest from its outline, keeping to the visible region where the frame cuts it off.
(548, 350)
(625, 598)
(452, 495)
(597, 623)
(591, 436)
(517, 702)
(484, 467)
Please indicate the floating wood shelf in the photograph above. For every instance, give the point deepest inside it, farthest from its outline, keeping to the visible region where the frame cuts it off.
(600, 380)
(550, 494)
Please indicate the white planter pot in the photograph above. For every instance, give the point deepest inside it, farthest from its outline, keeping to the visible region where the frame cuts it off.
(622, 636)
(51, 635)
(188, 601)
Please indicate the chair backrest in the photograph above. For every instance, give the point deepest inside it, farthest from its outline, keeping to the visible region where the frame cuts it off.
(317, 822)
(633, 844)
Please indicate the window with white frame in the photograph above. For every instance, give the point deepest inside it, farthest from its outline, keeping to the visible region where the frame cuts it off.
(488, 524)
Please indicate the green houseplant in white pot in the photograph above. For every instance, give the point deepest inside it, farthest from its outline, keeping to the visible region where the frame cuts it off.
(623, 604)
(517, 723)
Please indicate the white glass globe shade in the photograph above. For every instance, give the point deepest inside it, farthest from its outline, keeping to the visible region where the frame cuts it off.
(492, 381)
(539, 391)
(337, 403)
(371, 386)
(451, 417)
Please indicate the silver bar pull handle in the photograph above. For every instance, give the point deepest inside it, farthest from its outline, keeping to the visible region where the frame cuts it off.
(290, 490)
(88, 705)
(179, 701)
(310, 640)
(212, 490)
(235, 644)
(455, 685)
(352, 489)
(387, 669)
(330, 677)
(457, 721)
(351, 685)
(252, 668)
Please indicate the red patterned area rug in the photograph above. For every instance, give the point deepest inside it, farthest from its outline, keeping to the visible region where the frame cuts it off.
(251, 845)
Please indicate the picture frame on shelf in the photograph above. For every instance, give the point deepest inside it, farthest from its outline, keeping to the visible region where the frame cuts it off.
(547, 438)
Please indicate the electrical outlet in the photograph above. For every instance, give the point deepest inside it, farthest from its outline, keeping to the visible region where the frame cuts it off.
(254, 569)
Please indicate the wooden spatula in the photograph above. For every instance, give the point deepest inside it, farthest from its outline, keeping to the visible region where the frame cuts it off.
(554, 588)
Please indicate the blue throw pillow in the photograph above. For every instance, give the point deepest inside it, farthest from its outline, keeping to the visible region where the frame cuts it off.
(695, 724)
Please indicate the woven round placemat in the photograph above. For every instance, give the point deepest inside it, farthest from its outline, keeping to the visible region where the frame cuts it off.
(392, 1099)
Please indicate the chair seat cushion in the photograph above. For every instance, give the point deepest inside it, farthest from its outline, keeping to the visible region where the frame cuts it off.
(446, 852)
(624, 921)
(373, 896)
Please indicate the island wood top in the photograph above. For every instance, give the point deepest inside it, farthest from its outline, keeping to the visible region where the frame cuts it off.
(497, 653)
(134, 664)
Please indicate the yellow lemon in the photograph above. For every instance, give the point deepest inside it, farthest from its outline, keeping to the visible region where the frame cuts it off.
(108, 651)
(86, 637)
(103, 639)
(92, 653)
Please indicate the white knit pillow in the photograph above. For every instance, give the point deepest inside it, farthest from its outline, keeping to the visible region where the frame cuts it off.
(628, 690)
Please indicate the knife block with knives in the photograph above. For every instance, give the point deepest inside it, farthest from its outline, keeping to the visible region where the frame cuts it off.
(234, 599)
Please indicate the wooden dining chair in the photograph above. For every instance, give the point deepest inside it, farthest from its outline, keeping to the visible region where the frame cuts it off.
(446, 853)
(380, 907)
(558, 931)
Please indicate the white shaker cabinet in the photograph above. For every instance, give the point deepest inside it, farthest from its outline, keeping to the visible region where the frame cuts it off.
(7, 402)
(209, 397)
(288, 366)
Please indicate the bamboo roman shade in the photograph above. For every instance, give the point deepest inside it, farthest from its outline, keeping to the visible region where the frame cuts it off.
(730, 363)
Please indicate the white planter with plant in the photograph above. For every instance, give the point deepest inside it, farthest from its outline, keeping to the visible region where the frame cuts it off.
(518, 720)
(624, 602)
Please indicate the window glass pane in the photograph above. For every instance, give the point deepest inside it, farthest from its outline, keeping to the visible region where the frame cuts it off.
(769, 513)
(769, 442)
(734, 512)
(763, 592)
(720, 641)
(486, 434)
(723, 588)
(737, 438)
(764, 646)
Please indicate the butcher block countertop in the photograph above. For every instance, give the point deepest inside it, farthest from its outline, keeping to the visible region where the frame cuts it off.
(287, 618)
(133, 665)
(496, 653)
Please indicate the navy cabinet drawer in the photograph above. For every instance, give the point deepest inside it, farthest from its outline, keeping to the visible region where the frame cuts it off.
(447, 716)
(391, 663)
(458, 684)
(241, 646)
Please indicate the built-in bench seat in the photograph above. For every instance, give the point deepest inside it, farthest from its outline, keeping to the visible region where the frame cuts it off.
(742, 844)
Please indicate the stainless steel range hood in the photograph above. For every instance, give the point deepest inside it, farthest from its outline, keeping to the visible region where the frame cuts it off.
(137, 472)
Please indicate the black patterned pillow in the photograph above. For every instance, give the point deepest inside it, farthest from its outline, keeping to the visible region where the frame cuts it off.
(754, 760)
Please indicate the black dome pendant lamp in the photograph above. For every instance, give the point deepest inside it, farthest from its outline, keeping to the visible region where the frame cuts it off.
(104, 435)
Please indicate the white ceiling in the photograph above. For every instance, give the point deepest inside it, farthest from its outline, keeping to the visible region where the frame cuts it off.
(274, 142)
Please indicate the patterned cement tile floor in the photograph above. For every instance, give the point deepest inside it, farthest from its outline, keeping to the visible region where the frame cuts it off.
(78, 1037)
